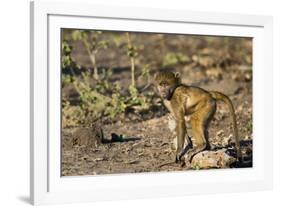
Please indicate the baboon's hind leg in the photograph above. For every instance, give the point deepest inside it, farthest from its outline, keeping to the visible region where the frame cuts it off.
(199, 123)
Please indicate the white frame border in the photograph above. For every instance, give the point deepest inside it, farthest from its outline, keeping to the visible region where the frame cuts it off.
(41, 10)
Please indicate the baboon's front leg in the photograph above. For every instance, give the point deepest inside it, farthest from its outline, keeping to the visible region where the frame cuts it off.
(187, 147)
(187, 140)
(181, 132)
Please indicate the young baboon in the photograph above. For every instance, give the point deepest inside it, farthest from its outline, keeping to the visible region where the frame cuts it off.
(182, 100)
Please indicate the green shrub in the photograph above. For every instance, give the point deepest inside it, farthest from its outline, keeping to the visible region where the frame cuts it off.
(171, 59)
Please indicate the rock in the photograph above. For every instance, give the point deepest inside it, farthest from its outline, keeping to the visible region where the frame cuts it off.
(212, 159)
(227, 140)
(214, 73)
(132, 162)
(248, 77)
(98, 159)
(244, 68)
(220, 133)
(92, 136)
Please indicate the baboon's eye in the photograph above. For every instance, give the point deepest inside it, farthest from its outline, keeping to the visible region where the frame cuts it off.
(163, 83)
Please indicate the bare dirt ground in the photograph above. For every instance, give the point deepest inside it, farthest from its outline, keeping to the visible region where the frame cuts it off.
(147, 140)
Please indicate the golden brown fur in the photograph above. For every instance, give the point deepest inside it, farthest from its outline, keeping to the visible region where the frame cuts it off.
(199, 104)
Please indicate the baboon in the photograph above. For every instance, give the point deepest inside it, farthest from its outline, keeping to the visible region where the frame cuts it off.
(183, 100)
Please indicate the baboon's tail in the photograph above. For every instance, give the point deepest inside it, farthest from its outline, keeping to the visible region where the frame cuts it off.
(226, 100)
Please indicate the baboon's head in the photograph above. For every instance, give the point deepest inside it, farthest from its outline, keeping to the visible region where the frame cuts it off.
(165, 82)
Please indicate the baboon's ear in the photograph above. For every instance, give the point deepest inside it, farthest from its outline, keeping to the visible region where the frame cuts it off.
(177, 75)
(178, 78)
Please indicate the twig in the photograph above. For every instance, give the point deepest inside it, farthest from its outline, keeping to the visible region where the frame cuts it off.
(92, 55)
(132, 59)
(146, 87)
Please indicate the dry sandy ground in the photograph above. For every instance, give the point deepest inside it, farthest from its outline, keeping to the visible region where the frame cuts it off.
(147, 144)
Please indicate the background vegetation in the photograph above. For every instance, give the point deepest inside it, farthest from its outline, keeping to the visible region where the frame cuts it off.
(105, 74)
